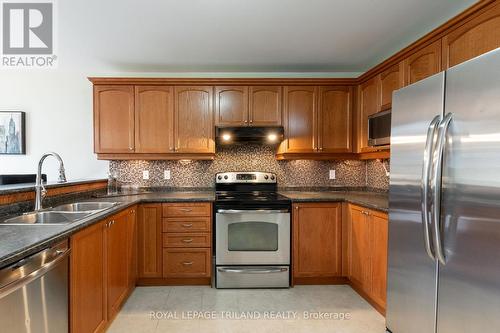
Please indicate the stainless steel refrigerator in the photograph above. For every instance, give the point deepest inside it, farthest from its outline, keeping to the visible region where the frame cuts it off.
(444, 202)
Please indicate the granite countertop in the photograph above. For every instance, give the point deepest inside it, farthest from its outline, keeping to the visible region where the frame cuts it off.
(20, 241)
(24, 187)
(374, 200)
(17, 242)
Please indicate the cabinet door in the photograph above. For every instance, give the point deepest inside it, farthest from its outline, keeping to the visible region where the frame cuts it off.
(117, 261)
(87, 287)
(378, 249)
(132, 246)
(149, 241)
(194, 125)
(391, 79)
(359, 247)
(334, 123)
(300, 119)
(477, 36)
(113, 119)
(154, 118)
(265, 105)
(423, 63)
(231, 106)
(317, 240)
(368, 105)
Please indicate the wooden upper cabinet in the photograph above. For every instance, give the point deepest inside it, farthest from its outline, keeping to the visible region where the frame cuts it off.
(359, 248)
(300, 119)
(265, 105)
(113, 119)
(378, 250)
(477, 36)
(231, 106)
(154, 119)
(391, 79)
(368, 105)
(423, 63)
(117, 261)
(334, 119)
(317, 240)
(149, 241)
(194, 124)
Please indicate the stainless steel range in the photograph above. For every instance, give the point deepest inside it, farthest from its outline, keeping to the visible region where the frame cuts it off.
(252, 232)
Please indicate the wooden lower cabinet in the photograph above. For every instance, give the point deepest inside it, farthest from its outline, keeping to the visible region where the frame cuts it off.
(317, 244)
(187, 242)
(186, 263)
(101, 271)
(118, 261)
(87, 280)
(367, 253)
(149, 241)
(378, 250)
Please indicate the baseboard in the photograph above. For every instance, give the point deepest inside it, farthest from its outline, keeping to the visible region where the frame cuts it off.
(203, 281)
(320, 280)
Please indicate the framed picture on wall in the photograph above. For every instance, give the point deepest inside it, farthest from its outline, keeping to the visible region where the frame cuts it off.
(12, 133)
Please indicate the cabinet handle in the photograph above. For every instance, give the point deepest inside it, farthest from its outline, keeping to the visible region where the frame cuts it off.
(187, 263)
(187, 225)
(130, 148)
(189, 240)
(186, 209)
(297, 207)
(171, 148)
(251, 121)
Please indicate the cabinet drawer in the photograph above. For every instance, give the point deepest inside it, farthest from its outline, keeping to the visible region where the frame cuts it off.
(186, 240)
(200, 224)
(186, 209)
(186, 262)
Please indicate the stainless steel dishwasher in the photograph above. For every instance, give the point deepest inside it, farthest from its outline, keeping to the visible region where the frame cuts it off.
(34, 292)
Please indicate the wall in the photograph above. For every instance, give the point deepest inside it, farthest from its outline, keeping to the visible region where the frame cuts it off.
(99, 38)
(300, 173)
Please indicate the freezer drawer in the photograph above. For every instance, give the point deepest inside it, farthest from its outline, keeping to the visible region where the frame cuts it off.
(252, 277)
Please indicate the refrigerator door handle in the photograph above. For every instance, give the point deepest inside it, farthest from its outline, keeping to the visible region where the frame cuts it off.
(436, 186)
(426, 171)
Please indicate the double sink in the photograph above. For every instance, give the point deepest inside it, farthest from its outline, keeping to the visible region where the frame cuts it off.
(63, 214)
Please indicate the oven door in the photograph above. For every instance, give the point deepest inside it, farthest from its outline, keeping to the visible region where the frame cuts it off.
(252, 237)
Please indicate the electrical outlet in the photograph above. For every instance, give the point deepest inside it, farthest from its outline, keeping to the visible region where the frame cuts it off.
(332, 174)
(166, 174)
(145, 174)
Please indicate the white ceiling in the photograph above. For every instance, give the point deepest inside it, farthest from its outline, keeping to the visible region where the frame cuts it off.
(244, 35)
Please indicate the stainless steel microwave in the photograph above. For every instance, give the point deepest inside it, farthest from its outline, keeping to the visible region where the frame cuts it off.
(379, 128)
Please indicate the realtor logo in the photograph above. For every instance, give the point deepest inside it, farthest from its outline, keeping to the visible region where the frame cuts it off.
(28, 34)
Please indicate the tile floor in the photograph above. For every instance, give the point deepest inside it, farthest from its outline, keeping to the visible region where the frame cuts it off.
(224, 310)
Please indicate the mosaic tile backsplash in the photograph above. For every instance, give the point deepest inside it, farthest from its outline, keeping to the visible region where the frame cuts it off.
(300, 173)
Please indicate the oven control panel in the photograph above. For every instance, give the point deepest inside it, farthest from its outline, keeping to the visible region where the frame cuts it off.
(245, 177)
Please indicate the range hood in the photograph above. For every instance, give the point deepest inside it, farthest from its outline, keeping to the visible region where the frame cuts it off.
(243, 135)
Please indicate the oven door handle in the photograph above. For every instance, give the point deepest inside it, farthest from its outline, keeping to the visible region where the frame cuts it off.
(252, 270)
(258, 211)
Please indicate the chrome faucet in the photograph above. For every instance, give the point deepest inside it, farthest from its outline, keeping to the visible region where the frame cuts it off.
(40, 191)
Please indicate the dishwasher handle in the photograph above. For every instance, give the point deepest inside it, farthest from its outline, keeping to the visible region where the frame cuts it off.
(26, 270)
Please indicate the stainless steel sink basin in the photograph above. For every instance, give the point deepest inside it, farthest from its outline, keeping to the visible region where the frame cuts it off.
(46, 218)
(84, 207)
